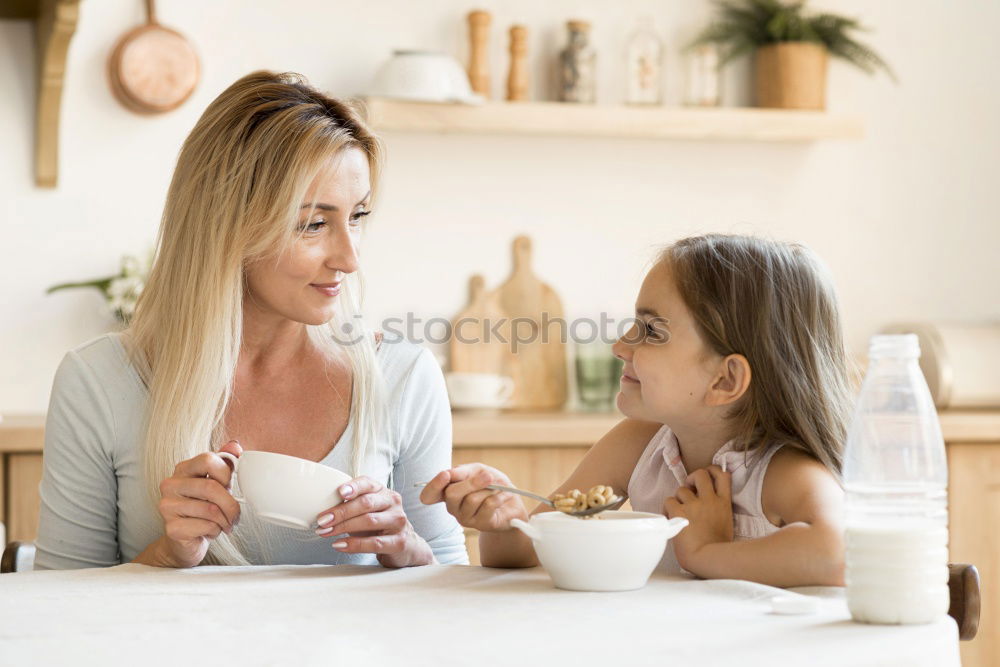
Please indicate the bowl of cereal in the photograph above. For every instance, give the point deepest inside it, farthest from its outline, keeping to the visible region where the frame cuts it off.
(614, 551)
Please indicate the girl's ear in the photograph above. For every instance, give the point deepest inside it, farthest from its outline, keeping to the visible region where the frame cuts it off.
(731, 381)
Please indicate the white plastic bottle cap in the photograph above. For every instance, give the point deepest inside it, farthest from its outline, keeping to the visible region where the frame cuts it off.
(794, 604)
(904, 346)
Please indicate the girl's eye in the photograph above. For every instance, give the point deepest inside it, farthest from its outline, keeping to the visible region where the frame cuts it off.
(656, 330)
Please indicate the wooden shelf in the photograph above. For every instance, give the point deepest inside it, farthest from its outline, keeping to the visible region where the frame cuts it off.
(19, 9)
(557, 119)
(55, 22)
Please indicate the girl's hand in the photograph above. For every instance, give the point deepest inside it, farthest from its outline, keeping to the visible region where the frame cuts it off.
(709, 508)
(372, 517)
(463, 490)
(196, 506)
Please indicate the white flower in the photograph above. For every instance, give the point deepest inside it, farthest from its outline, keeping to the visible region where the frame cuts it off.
(123, 293)
(131, 266)
(120, 287)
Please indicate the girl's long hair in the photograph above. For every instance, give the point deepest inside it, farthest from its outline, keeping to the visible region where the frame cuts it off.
(774, 303)
(240, 179)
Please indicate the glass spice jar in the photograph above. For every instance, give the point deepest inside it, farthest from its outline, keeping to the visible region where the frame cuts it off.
(578, 66)
(644, 65)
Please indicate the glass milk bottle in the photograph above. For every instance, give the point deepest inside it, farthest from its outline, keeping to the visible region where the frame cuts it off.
(644, 60)
(896, 476)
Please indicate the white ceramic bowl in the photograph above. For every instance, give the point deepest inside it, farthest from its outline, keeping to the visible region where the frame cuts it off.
(286, 490)
(478, 391)
(423, 76)
(617, 552)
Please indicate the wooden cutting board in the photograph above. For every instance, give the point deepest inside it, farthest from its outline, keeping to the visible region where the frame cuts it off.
(539, 368)
(474, 348)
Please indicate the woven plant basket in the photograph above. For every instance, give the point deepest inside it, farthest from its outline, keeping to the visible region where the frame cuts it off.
(791, 75)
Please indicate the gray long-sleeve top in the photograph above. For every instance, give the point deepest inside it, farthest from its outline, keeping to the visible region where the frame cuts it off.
(95, 509)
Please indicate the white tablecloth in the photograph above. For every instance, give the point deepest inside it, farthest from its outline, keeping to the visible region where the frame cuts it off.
(438, 615)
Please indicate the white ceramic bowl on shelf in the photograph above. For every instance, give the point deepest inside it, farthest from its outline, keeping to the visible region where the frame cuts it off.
(423, 76)
(617, 552)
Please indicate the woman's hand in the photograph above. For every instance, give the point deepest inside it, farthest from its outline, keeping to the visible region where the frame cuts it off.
(372, 517)
(463, 490)
(708, 507)
(196, 506)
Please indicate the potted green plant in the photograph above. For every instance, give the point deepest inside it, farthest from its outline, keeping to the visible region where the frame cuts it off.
(790, 46)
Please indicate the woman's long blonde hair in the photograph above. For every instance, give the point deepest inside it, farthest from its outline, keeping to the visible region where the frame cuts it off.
(240, 179)
(774, 303)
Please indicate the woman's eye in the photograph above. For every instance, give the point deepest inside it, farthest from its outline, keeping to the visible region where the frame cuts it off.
(312, 227)
(649, 330)
(356, 218)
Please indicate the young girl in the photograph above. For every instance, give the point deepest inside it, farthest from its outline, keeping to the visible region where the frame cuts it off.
(736, 393)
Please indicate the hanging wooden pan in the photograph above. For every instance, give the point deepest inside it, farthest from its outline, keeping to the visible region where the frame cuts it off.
(153, 69)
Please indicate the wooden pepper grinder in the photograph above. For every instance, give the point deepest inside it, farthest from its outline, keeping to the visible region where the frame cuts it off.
(479, 63)
(517, 78)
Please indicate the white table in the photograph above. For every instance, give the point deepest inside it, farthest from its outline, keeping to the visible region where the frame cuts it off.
(438, 615)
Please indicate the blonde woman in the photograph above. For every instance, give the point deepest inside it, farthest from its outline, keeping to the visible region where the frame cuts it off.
(248, 333)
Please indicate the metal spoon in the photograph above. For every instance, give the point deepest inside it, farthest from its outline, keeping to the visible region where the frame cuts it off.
(613, 505)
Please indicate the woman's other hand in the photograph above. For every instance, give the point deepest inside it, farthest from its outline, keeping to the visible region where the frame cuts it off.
(371, 520)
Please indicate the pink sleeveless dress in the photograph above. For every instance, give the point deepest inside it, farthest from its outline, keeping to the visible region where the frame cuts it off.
(660, 473)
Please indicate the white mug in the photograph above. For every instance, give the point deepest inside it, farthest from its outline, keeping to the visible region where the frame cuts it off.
(285, 490)
(479, 390)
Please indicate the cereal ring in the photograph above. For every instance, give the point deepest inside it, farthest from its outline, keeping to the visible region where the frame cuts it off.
(575, 500)
(565, 504)
(600, 495)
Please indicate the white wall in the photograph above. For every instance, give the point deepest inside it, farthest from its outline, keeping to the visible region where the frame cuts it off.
(906, 218)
